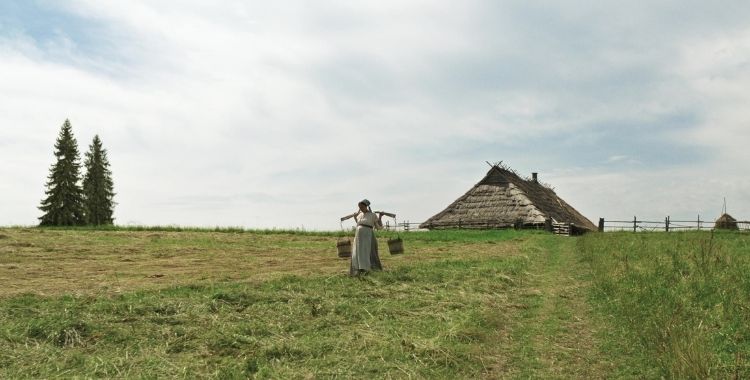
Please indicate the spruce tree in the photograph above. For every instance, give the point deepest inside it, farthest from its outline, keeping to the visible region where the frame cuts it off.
(63, 205)
(98, 185)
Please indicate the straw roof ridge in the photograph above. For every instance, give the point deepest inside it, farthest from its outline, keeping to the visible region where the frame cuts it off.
(502, 166)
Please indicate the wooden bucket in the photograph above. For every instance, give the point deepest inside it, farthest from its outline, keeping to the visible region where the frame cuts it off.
(396, 246)
(344, 247)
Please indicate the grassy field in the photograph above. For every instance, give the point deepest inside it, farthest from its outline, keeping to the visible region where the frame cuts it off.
(155, 302)
(679, 303)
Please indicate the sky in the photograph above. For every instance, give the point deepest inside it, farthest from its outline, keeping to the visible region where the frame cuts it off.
(285, 114)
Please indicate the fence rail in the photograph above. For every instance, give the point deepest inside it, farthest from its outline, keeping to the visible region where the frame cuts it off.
(668, 224)
(557, 228)
(635, 225)
(401, 226)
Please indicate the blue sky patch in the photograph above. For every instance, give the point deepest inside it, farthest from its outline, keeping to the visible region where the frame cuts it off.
(58, 33)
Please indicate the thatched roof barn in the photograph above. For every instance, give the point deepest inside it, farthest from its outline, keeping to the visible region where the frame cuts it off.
(726, 222)
(503, 199)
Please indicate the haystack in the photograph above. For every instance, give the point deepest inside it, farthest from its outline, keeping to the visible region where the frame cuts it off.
(503, 199)
(726, 222)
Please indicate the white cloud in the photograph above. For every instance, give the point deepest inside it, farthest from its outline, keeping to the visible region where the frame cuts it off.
(716, 69)
(285, 114)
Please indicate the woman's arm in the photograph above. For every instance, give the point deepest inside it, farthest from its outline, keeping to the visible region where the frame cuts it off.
(379, 221)
(352, 215)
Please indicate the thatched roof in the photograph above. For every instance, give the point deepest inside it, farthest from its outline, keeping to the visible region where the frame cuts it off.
(504, 199)
(726, 222)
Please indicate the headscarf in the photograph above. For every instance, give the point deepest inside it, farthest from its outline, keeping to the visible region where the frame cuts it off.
(366, 203)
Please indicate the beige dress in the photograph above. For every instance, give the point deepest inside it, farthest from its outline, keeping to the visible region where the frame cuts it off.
(365, 248)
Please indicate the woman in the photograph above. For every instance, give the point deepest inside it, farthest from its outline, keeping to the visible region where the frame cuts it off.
(365, 251)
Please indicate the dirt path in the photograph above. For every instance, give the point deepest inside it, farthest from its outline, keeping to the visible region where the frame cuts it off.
(553, 335)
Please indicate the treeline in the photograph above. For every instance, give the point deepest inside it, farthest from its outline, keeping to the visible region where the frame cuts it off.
(74, 201)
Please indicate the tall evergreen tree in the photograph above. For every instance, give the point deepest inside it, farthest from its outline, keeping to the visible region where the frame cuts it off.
(63, 205)
(98, 188)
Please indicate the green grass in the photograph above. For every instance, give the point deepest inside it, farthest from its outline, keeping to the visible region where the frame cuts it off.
(421, 235)
(679, 303)
(114, 302)
(433, 321)
(233, 303)
(177, 228)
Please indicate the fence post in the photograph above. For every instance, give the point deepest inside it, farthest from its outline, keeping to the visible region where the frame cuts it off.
(601, 224)
(666, 223)
(699, 222)
(548, 225)
(635, 221)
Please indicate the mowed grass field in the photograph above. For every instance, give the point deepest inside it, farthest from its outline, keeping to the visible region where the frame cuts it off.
(458, 304)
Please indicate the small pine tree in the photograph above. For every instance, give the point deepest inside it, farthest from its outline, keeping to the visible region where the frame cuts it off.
(63, 205)
(97, 185)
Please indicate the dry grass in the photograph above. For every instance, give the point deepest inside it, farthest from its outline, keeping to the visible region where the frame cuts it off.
(53, 262)
(199, 304)
(237, 304)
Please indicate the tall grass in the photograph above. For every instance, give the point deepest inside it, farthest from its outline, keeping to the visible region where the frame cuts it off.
(680, 301)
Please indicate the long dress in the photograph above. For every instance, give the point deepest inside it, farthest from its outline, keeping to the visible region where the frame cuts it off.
(365, 248)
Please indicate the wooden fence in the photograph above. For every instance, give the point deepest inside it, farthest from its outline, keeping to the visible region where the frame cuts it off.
(402, 226)
(667, 225)
(635, 225)
(557, 228)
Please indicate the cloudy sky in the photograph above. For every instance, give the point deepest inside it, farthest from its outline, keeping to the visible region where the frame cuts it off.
(286, 113)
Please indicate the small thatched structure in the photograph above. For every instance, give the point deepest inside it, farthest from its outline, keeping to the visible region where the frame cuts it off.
(503, 199)
(726, 222)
